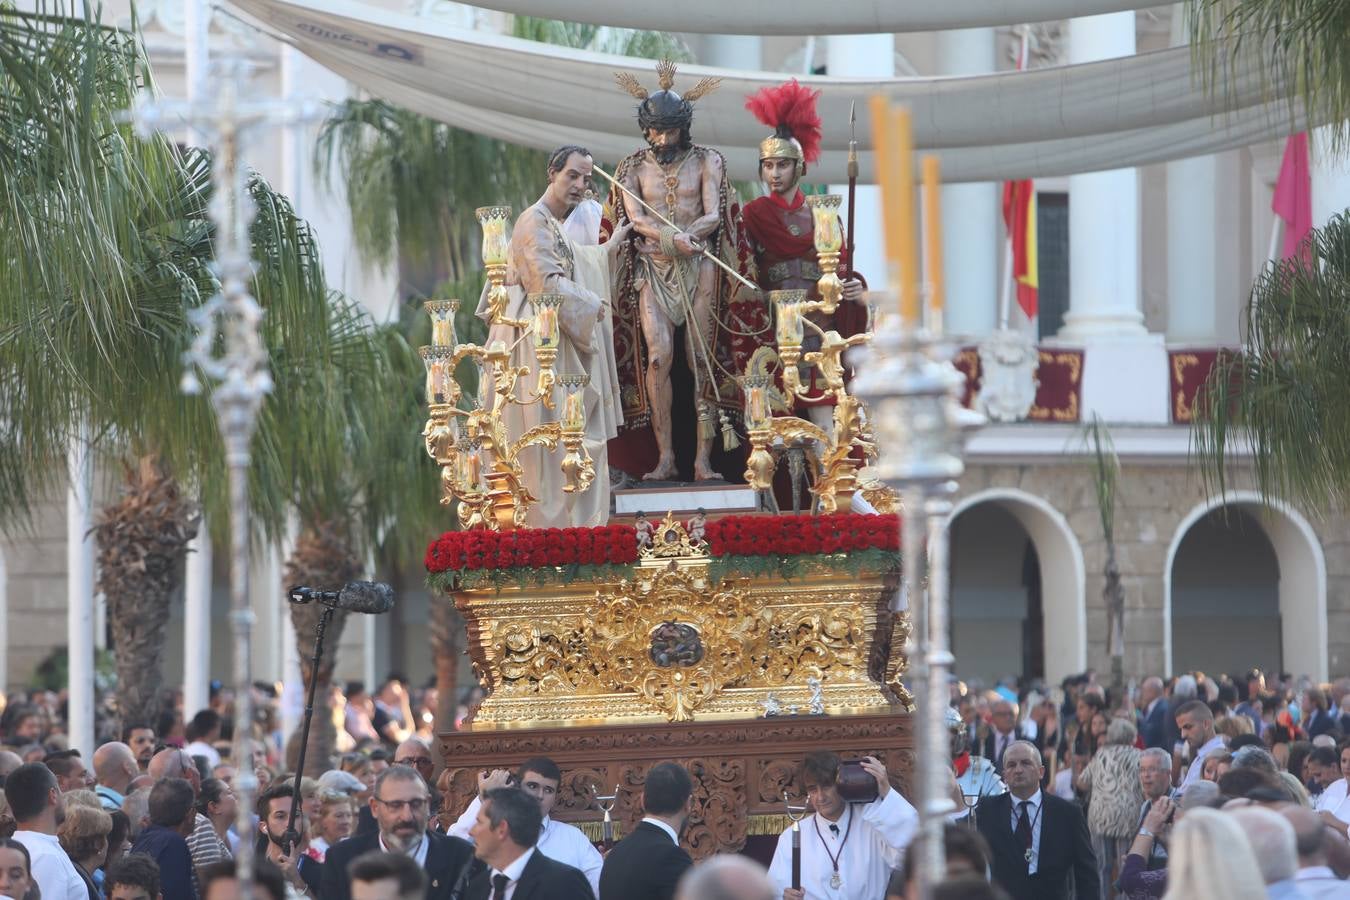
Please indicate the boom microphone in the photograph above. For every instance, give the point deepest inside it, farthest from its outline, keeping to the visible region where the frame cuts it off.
(372, 597)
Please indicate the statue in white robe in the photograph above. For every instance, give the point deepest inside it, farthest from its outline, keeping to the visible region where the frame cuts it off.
(554, 249)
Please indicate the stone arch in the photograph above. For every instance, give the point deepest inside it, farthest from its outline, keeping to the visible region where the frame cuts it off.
(1062, 574)
(1302, 578)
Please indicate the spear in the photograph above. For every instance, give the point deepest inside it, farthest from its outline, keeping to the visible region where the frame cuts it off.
(669, 224)
(852, 183)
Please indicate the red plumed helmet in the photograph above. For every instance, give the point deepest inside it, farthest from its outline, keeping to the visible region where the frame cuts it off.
(790, 110)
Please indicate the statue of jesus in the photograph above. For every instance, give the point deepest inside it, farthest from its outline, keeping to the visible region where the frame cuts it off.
(674, 282)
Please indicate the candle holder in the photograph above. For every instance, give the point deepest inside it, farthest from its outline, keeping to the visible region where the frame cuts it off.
(829, 241)
(441, 387)
(546, 338)
(759, 465)
(577, 467)
(493, 221)
(442, 314)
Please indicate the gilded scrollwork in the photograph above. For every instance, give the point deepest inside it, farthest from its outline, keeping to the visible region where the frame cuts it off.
(669, 645)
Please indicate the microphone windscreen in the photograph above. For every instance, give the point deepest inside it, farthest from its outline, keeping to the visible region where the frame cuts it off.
(374, 597)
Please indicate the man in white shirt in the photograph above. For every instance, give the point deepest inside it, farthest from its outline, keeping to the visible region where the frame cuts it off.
(540, 778)
(1314, 877)
(202, 733)
(847, 850)
(1196, 724)
(506, 830)
(35, 802)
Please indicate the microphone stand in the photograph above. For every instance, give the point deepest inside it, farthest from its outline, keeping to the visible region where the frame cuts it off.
(292, 837)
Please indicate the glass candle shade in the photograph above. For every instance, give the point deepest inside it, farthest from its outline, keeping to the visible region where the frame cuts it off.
(493, 220)
(442, 314)
(757, 409)
(788, 308)
(546, 308)
(574, 402)
(437, 361)
(829, 234)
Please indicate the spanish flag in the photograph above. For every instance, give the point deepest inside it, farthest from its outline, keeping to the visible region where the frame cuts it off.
(1019, 215)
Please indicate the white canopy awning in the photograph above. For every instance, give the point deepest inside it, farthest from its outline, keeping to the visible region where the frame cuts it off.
(801, 17)
(1103, 115)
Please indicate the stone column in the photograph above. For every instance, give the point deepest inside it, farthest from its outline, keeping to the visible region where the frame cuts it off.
(1203, 245)
(1104, 317)
(872, 56)
(80, 598)
(970, 212)
(1103, 212)
(197, 624)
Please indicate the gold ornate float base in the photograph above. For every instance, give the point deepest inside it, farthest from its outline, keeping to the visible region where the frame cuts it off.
(672, 645)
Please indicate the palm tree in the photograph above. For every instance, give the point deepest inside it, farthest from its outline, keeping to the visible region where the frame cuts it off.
(104, 252)
(1285, 393)
(1105, 481)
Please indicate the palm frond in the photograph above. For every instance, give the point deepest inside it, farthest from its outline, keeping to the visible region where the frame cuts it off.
(1284, 395)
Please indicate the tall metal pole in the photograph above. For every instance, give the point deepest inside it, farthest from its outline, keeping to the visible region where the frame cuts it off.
(228, 351)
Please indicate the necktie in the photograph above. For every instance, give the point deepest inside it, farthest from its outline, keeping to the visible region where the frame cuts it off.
(1024, 826)
(499, 883)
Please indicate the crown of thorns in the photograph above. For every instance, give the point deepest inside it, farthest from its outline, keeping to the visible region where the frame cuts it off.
(665, 108)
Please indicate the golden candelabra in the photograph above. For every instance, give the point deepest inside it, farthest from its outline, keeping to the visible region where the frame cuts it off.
(479, 461)
(834, 468)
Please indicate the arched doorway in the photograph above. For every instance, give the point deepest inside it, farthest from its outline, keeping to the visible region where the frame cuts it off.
(1245, 585)
(1017, 584)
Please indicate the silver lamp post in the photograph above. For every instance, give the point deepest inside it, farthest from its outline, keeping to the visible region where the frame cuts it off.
(912, 391)
(229, 353)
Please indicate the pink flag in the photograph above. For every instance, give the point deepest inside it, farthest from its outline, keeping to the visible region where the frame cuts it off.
(1293, 194)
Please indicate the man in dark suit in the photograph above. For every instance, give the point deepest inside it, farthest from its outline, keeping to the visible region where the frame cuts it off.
(1037, 839)
(1005, 730)
(648, 863)
(1153, 714)
(504, 834)
(401, 805)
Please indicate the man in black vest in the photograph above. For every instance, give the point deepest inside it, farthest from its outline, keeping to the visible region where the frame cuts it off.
(1037, 839)
(401, 805)
(504, 834)
(648, 863)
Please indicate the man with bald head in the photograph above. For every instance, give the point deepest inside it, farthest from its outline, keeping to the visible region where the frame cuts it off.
(1153, 714)
(726, 877)
(1273, 846)
(9, 761)
(416, 755)
(203, 843)
(1315, 878)
(1037, 839)
(114, 767)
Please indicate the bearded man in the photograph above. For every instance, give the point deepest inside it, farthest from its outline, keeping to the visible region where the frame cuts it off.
(666, 272)
(780, 231)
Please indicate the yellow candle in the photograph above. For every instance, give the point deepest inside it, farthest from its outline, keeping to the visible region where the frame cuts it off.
(494, 241)
(932, 240)
(893, 142)
(574, 417)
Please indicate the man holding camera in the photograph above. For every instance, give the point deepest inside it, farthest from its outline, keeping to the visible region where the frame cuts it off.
(848, 849)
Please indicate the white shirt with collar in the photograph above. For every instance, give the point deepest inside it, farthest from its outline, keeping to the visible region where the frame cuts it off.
(1035, 804)
(1198, 764)
(419, 854)
(512, 872)
(664, 826)
(869, 843)
(559, 841)
(52, 869)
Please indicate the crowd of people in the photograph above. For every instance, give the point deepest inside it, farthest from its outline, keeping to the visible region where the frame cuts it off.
(1193, 787)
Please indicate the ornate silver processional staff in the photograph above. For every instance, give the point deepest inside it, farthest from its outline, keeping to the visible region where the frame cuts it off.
(228, 351)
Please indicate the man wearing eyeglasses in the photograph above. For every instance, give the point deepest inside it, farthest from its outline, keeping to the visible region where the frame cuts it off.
(401, 806)
(415, 754)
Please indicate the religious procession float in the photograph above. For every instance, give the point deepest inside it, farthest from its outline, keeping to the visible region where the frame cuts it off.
(676, 539)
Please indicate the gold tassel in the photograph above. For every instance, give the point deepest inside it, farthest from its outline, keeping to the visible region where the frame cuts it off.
(729, 439)
(706, 428)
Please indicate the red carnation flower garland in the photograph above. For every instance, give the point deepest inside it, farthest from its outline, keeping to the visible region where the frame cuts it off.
(502, 554)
